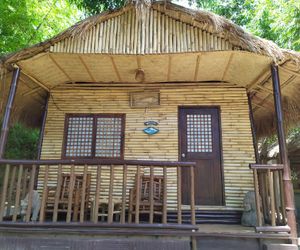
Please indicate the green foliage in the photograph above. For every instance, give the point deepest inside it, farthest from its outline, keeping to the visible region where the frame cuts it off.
(26, 22)
(92, 7)
(22, 142)
(276, 20)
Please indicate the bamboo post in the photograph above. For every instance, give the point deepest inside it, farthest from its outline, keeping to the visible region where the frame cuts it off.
(83, 194)
(257, 198)
(4, 191)
(7, 114)
(97, 194)
(192, 186)
(110, 196)
(253, 128)
(138, 195)
(288, 187)
(30, 194)
(179, 216)
(57, 193)
(124, 189)
(70, 194)
(165, 198)
(44, 195)
(18, 193)
(151, 195)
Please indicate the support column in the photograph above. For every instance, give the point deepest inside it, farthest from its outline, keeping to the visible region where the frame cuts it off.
(287, 183)
(7, 114)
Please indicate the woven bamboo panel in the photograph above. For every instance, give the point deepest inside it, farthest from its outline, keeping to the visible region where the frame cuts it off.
(155, 33)
(236, 133)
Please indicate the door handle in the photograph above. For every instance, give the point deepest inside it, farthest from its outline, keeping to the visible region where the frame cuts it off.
(183, 155)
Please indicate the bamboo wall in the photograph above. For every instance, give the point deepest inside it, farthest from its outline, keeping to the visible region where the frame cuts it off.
(155, 33)
(236, 134)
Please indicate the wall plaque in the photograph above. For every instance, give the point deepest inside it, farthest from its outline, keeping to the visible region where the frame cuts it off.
(145, 99)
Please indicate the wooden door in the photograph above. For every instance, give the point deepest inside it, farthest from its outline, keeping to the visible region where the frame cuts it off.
(199, 140)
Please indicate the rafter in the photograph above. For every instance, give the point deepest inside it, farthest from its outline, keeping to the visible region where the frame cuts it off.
(197, 67)
(37, 81)
(115, 68)
(227, 66)
(86, 68)
(60, 68)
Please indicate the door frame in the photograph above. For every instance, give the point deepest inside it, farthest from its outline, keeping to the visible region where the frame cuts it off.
(218, 107)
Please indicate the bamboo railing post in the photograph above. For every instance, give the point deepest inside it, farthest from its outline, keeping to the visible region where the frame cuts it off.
(57, 193)
(44, 195)
(276, 187)
(97, 193)
(30, 193)
(10, 189)
(257, 198)
(124, 189)
(165, 193)
(271, 189)
(282, 201)
(138, 195)
(179, 215)
(110, 196)
(4, 191)
(71, 194)
(83, 194)
(18, 192)
(151, 197)
(192, 176)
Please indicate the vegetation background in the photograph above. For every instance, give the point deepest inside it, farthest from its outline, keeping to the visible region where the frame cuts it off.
(26, 22)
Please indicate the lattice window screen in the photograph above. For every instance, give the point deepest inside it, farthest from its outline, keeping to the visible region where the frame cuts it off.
(108, 137)
(199, 133)
(79, 137)
(105, 140)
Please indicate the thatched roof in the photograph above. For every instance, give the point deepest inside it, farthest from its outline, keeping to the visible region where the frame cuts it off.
(225, 30)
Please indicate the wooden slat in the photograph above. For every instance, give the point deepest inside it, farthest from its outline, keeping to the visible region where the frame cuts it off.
(57, 194)
(193, 214)
(44, 195)
(4, 191)
(277, 196)
(18, 193)
(151, 195)
(70, 193)
(97, 195)
(165, 196)
(283, 212)
(271, 190)
(10, 189)
(30, 193)
(257, 198)
(124, 189)
(138, 194)
(24, 183)
(179, 214)
(110, 196)
(83, 194)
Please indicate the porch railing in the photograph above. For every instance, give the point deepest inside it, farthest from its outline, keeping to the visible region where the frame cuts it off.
(108, 191)
(269, 196)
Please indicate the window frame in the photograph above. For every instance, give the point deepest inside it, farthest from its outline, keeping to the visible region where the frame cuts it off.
(94, 133)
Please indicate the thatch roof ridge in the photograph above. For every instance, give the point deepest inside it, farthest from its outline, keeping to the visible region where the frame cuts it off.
(210, 22)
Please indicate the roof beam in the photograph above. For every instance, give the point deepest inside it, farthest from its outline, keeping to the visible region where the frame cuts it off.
(60, 68)
(227, 66)
(197, 67)
(86, 68)
(38, 82)
(260, 79)
(115, 68)
(169, 68)
(289, 71)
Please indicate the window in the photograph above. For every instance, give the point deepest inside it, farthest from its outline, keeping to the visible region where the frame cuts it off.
(94, 136)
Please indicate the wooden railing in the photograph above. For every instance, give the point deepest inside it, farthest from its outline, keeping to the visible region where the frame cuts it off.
(106, 191)
(269, 196)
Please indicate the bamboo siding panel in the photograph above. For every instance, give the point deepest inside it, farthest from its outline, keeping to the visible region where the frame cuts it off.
(155, 33)
(236, 133)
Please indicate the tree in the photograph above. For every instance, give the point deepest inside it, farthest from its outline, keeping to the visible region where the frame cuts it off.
(26, 22)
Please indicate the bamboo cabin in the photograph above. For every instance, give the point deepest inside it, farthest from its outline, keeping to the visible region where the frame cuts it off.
(149, 118)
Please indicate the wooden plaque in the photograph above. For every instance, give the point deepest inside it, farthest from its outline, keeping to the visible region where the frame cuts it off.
(145, 99)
